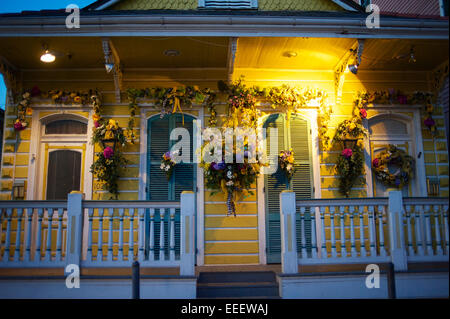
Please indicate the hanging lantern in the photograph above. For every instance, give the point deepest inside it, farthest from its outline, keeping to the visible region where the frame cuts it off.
(350, 142)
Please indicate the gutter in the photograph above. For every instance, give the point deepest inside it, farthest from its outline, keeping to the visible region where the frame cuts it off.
(225, 26)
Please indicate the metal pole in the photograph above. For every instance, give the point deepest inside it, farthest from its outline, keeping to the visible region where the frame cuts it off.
(391, 281)
(135, 280)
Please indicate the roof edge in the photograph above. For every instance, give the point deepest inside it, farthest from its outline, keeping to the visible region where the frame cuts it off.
(348, 5)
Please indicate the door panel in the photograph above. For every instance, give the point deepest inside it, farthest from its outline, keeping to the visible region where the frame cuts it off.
(296, 135)
(379, 189)
(64, 174)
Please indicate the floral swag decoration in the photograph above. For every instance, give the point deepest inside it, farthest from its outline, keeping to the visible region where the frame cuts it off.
(57, 97)
(350, 163)
(236, 178)
(393, 156)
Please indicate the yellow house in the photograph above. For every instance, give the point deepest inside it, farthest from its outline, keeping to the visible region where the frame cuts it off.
(152, 66)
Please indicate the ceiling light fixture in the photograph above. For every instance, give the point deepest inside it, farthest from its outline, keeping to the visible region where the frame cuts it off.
(109, 67)
(290, 54)
(171, 52)
(47, 57)
(412, 55)
(354, 67)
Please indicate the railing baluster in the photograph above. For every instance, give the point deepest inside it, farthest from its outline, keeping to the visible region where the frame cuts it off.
(59, 248)
(362, 241)
(18, 246)
(371, 227)
(131, 235)
(428, 239)
(322, 229)
(110, 250)
(90, 234)
(352, 231)
(39, 236)
(408, 213)
(28, 234)
(152, 234)
(342, 227)
(162, 213)
(7, 253)
(101, 213)
(303, 252)
(121, 218)
(48, 246)
(445, 215)
(381, 210)
(141, 231)
(437, 230)
(333, 239)
(172, 234)
(314, 248)
(418, 225)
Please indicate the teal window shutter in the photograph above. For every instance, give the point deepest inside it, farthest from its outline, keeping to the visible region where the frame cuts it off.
(296, 135)
(272, 194)
(300, 141)
(158, 187)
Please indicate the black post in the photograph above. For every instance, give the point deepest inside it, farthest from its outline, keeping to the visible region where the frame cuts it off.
(391, 281)
(135, 280)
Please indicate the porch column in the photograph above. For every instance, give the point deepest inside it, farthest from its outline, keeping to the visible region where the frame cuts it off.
(396, 235)
(187, 259)
(74, 227)
(289, 261)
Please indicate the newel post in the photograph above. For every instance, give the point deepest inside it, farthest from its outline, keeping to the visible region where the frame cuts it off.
(74, 227)
(289, 261)
(396, 236)
(187, 262)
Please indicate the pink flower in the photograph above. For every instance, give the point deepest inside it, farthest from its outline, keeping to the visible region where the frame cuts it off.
(376, 162)
(35, 91)
(429, 122)
(402, 99)
(96, 124)
(347, 153)
(108, 152)
(363, 113)
(18, 126)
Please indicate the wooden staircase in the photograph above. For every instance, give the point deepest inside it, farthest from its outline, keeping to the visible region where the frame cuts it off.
(243, 284)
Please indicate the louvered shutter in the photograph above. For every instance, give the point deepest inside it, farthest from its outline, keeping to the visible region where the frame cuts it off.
(272, 194)
(296, 136)
(64, 172)
(159, 189)
(300, 141)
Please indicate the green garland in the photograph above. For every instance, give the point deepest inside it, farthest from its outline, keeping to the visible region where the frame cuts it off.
(350, 163)
(349, 166)
(395, 156)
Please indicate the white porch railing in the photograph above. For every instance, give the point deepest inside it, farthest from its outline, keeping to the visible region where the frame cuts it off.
(98, 233)
(366, 230)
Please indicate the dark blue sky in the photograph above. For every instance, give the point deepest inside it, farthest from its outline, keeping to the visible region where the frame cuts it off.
(7, 6)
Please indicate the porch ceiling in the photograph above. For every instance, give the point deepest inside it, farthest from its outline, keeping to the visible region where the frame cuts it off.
(212, 52)
(325, 53)
(142, 52)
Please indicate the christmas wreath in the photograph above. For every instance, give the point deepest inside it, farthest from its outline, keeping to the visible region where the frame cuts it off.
(394, 156)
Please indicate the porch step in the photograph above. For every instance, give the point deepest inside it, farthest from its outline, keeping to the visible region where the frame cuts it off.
(261, 284)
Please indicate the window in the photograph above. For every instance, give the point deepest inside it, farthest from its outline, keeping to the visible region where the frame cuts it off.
(387, 127)
(66, 127)
(228, 4)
